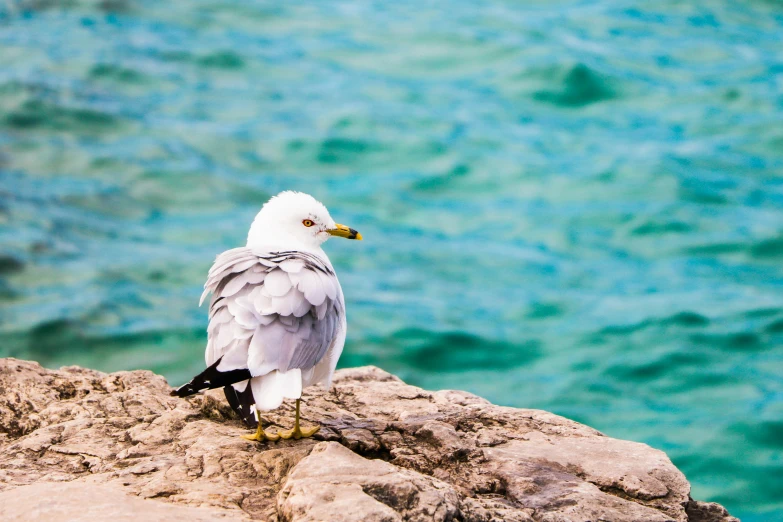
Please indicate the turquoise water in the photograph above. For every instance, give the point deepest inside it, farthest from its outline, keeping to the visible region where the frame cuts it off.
(574, 206)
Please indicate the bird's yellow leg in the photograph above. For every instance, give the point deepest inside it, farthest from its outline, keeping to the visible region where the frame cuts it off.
(260, 435)
(297, 432)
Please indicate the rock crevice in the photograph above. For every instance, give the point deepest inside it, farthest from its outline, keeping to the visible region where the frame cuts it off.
(387, 451)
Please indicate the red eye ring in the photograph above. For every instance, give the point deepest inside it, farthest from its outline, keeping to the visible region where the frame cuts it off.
(308, 222)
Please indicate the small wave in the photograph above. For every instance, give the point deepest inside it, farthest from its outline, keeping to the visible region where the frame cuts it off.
(763, 312)
(108, 71)
(715, 249)
(342, 150)
(702, 195)
(765, 249)
(222, 60)
(655, 228)
(768, 248)
(460, 351)
(545, 311)
(54, 340)
(685, 318)
(775, 327)
(9, 264)
(104, 6)
(434, 183)
(765, 433)
(730, 341)
(672, 362)
(34, 114)
(581, 86)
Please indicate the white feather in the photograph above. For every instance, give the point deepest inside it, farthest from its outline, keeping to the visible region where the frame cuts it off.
(226, 259)
(234, 286)
(321, 310)
(235, 356)
(292, 265)
(269, 390)
(277, 283)
(328, 284)
(303, 306)
(243, 315)
(288, 303)
(311, 287)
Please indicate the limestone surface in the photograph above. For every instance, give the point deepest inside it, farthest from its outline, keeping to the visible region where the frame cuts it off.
(76, 444)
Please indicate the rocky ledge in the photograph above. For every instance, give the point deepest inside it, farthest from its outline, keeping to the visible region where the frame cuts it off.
(76, 444)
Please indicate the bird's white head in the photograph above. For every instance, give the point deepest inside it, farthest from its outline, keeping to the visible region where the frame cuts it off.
(295, 221)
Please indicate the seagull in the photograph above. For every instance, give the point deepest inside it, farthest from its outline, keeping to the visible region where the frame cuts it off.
(277, 315)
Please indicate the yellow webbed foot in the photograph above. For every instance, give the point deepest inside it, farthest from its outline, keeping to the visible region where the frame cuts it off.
(298, 433)
(260, 436)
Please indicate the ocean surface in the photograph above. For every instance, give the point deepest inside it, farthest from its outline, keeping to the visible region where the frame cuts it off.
(574, 206)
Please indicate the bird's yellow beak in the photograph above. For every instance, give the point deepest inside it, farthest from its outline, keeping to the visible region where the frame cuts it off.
(343, 231)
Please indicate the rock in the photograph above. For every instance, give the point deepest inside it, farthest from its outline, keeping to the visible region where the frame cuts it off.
(77, 444)
(707, 512)
(333, 479)
(79, 500)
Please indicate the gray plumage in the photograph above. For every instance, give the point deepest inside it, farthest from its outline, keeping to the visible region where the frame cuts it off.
(285, 300)
(273, 312)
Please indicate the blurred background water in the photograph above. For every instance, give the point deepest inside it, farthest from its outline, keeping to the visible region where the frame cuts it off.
(575, 206)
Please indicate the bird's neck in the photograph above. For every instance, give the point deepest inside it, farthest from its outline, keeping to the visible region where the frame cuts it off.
(277, 243)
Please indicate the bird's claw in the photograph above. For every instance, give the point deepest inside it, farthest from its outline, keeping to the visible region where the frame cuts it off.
(261, 435)
(298, 433)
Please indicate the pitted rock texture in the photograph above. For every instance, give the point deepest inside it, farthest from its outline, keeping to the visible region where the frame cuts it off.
(387, 451)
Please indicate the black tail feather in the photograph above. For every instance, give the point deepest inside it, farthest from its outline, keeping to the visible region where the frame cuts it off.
(241, 403)
(212, 378)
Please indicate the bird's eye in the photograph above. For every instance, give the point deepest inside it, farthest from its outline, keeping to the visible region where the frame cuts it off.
(308, 222)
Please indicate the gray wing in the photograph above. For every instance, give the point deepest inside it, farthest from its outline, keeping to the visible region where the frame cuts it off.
(271, 311)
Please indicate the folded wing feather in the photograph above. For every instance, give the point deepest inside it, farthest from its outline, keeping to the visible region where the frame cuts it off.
(275, 311)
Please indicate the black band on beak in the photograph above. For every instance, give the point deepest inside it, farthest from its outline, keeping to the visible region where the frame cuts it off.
(343, 231)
